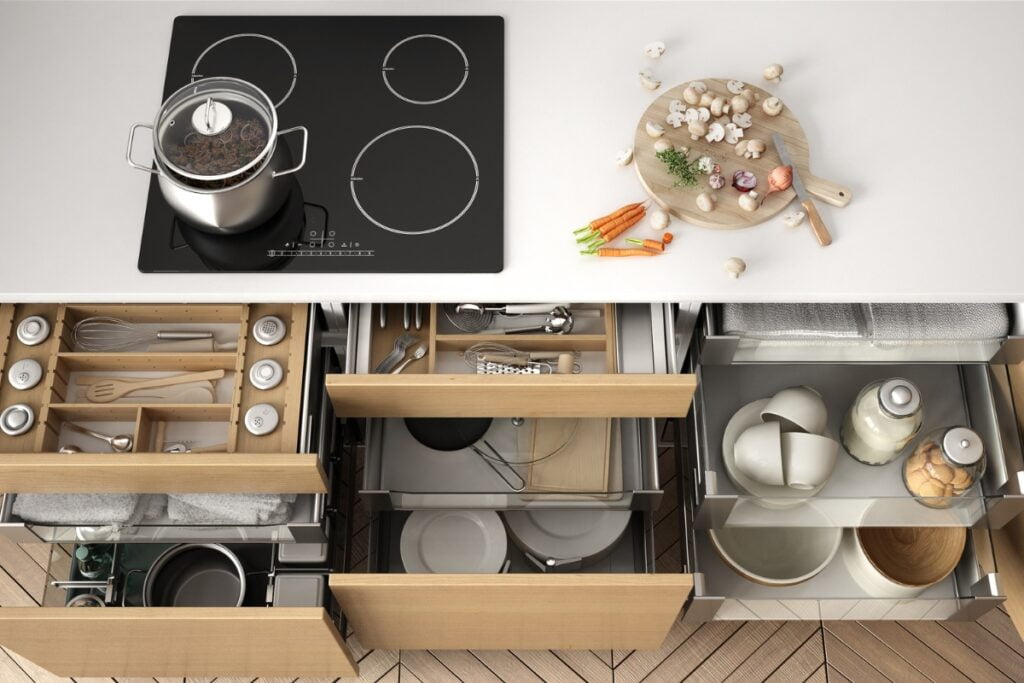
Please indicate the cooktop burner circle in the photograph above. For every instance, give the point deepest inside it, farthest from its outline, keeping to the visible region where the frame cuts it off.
(256, 61)
(425, 69)
(414, 180)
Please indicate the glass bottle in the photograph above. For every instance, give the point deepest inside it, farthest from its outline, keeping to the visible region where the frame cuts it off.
(944, 465)
(94, 560)
(881, 422)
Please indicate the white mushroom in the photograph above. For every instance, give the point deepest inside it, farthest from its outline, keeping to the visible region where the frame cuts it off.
(700, 86)
(648, 80)
(794, 219)
(742, 120)
(755, 148)
(704, 114)
(716, 132)
(691, 95)
(749, 201)
(706, 202)
(740, 148)
(677, 105)
(691, 115)
(735, 87)
(697, 129)
(750, 96)
(733, 133)
(720, 106)
(658, 219)
(735, 267)
(624, 157)
(739, 104)
(675, 119)
(773, 73)
(706, 99)
(661, 144)
(655, 49)
(772, 106)
(655, 130)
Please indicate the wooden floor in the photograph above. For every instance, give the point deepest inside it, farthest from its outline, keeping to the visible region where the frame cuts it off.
(987, 650)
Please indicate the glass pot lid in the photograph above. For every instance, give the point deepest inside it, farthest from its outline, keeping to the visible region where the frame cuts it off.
(215, 128)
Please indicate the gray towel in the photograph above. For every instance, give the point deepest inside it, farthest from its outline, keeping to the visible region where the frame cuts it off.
(792, 321)
(79, 508)
(229, 508)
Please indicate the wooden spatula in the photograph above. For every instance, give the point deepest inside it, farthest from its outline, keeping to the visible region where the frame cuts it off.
(111, 390)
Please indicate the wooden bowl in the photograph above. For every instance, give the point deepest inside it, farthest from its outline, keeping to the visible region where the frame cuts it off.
(906, 559)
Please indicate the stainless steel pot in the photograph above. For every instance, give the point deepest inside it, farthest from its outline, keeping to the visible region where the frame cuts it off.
(195, 575)
(219, 163)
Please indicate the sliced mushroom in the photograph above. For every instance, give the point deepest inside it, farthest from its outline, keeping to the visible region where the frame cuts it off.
(706, 99)
(716, 133)
(648, 80)
(655, 130)
(733, 133)
(735, 87)
(735, 267)
(662, 144)
(773, 73)
(700, 86)
(739, 104)
(675, 119)
(624, 157)
(743, 120)
(691, 115)
(704, 114)
(658, 219)
(794, 219)
(697, 129)
(654, 50)
(706, 202)
(772, 106)
(691, 95)
(719, 106)
(677, 105)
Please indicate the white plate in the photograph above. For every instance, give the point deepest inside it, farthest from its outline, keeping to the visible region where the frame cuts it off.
(453, 542)
(776, 497)
(567, 534)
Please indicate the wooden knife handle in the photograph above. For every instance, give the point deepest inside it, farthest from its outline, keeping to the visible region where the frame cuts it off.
(817, 225)
(826, 190)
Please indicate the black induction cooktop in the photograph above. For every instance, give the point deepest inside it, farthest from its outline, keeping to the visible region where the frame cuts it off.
(404, 172)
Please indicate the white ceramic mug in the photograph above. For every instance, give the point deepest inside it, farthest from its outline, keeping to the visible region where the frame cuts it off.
(807, 459)
(758, 453)
(797, 409)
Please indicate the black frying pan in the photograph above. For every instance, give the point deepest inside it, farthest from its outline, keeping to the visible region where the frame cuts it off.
(455, 433)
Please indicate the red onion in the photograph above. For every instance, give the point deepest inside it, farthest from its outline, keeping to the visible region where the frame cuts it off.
(744, 181)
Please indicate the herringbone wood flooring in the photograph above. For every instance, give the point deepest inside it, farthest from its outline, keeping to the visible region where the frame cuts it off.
(986, 650)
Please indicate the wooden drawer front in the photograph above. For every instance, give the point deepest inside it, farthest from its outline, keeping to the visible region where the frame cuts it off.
(162, 473)
(511, 395)
(509, 611)
(178, 641)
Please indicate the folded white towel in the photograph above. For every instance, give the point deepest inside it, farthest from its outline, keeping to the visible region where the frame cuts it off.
(229, 508)
(78, 508)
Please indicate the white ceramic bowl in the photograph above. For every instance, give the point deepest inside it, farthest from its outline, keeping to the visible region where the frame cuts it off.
(807, 459)
(901, 563)
(797, 409)
(759, 453)
(782, 556)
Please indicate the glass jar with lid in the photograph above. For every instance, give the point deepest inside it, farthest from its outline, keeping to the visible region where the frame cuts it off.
(944, 465)
(883, 419)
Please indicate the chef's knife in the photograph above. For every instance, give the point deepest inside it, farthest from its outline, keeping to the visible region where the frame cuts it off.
(817, 225)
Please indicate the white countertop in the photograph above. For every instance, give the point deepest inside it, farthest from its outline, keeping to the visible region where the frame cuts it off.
(913, 106)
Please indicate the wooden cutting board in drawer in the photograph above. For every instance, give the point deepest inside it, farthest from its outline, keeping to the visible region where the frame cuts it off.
(580, 449)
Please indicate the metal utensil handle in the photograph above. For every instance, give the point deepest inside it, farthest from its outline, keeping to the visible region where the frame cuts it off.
(530, 309)
(522, 482)
(71, 585)
(131, 143)
(183, 335)
(88, 432)
(302, 160)
(556, 564)
(517, 330)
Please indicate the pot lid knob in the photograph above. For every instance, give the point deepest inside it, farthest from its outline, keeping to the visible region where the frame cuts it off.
(211, 117)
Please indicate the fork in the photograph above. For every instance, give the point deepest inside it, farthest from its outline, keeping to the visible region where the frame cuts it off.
(402, 345)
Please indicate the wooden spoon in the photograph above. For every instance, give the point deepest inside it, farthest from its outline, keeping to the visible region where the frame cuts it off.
(105, 392)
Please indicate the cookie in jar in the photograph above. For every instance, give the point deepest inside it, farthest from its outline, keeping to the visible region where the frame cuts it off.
(944, 464)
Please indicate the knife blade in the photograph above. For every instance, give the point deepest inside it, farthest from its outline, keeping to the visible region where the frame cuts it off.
(817, 224)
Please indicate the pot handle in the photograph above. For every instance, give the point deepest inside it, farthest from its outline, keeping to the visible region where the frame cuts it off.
(131, 142)
(302, 161)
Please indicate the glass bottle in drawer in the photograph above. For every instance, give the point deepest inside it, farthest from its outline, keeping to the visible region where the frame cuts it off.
(944, 465)
(883, 419)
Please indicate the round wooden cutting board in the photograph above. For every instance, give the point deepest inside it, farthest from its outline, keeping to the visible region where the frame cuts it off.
(682, 201)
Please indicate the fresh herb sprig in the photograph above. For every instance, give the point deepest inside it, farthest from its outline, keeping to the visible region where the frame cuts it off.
(685, 170)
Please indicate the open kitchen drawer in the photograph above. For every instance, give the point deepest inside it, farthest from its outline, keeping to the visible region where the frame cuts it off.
(226, 461)
(977, 395)
(623, 362)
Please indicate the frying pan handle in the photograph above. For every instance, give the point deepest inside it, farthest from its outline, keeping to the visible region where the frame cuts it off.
(827, 191)
(556, 564)
(518, 488)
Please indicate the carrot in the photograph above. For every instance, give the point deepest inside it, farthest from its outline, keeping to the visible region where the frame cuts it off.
(616, 223)
(649, 244)
(621, 227)
(597, 222)
(667, 238)
(611, 251)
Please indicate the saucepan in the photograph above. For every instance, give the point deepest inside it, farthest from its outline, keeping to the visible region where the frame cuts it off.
(218, 161)
(195, 575)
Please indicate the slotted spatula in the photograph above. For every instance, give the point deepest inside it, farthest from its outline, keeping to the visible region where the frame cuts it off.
(111, 390)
